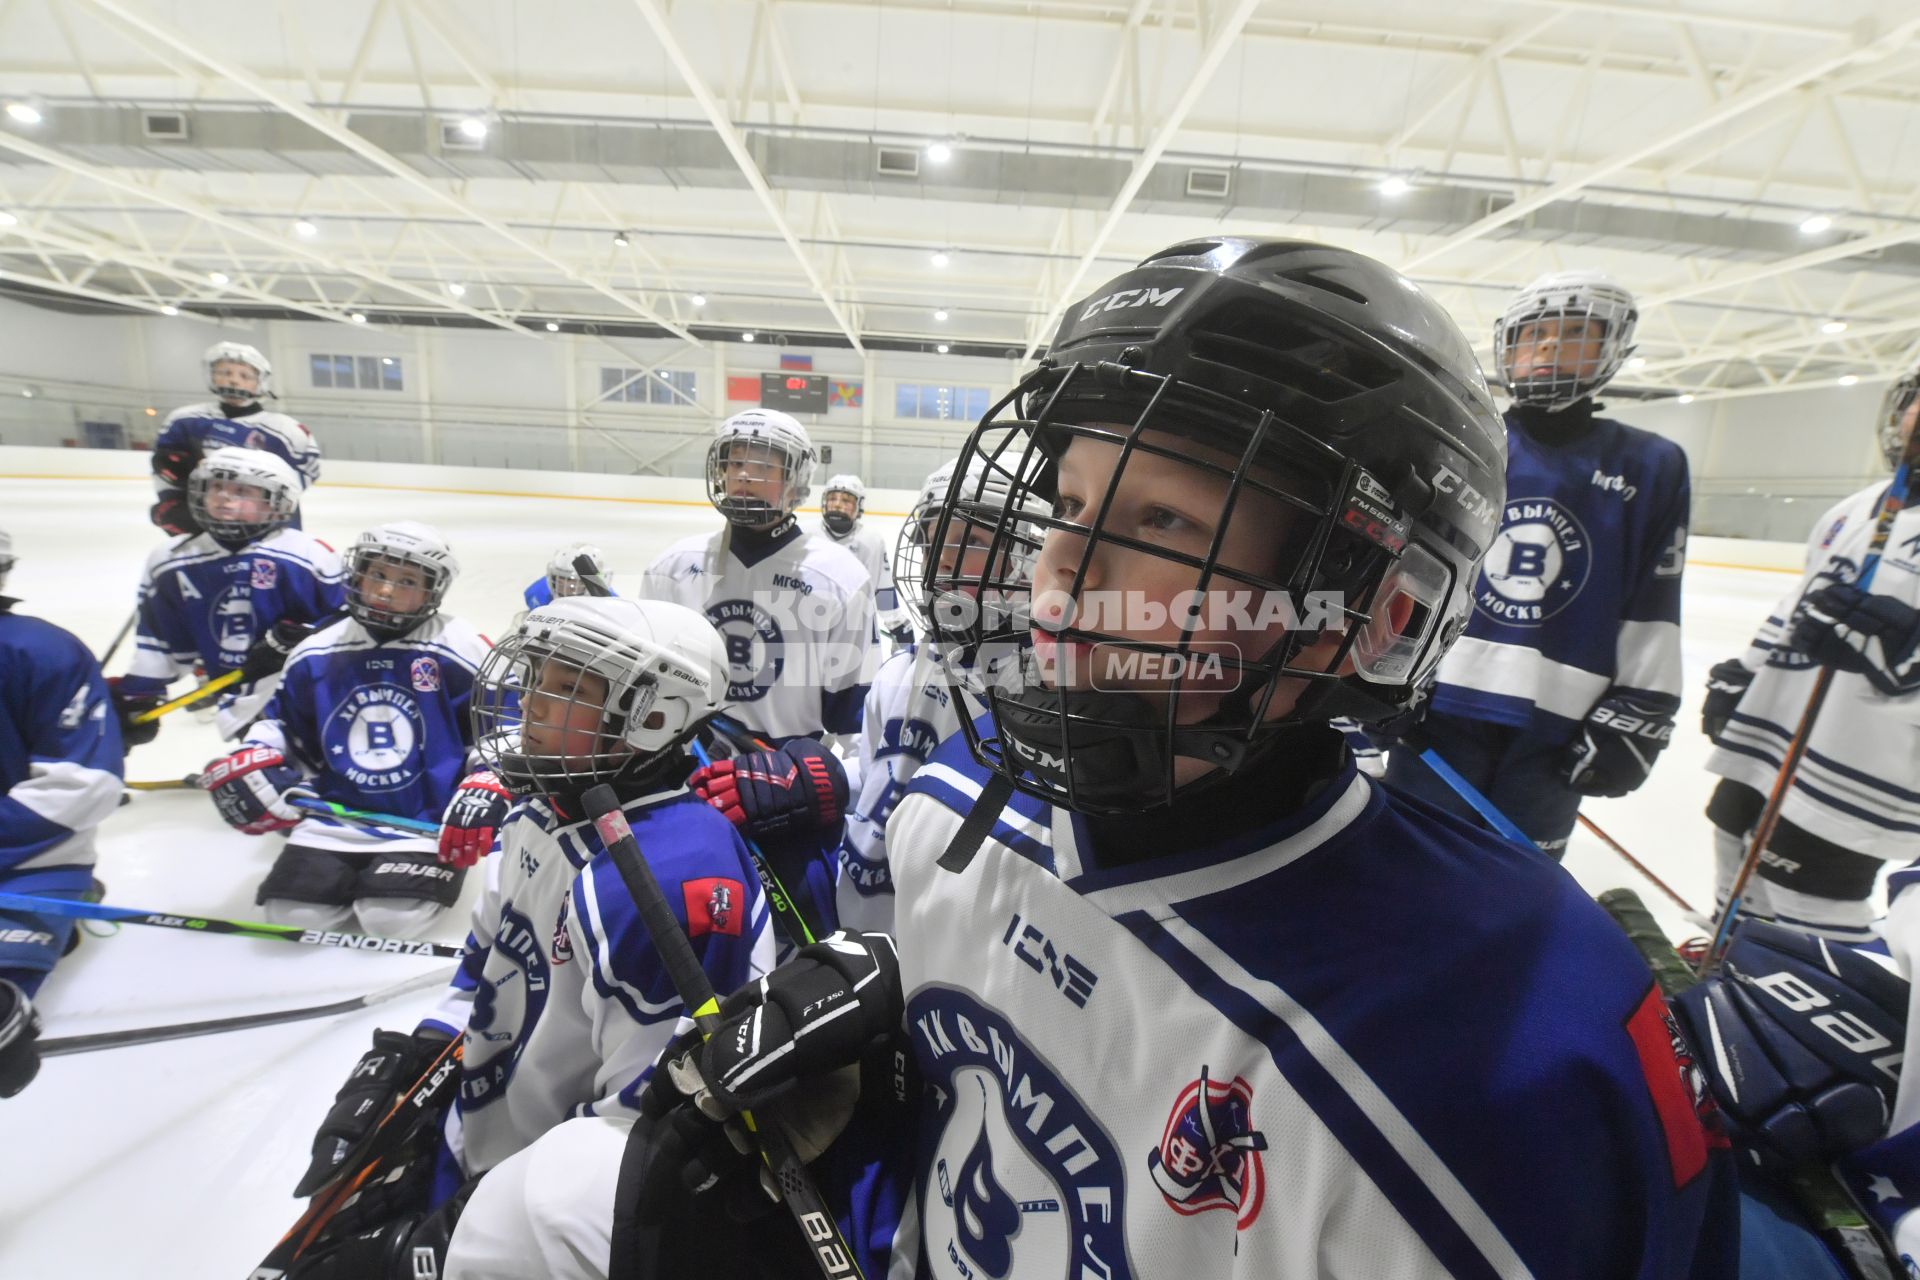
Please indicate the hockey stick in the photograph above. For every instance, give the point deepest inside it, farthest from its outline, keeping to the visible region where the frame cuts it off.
(420, 1103)
(214, 1026)
(831, 1253)
(364, 816)
(126, 629)
(1846, 1232)
(212, 686)
(70, 909)
(1891, 504)
(1471, 794)
(189, 783)
(798, 931)
(1693, 917)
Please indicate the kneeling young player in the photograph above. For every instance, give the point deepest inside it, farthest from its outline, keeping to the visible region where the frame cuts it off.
(371, 714)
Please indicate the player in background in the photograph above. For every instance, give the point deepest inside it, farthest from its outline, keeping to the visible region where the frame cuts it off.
(1285, 457)
(1566, 682)
(1853, 806)
(796, 611)
(240, 379)
(60, 769)
(843, 509)
(372, 713)
(562, 1000)
(238, 594)
(562, 579)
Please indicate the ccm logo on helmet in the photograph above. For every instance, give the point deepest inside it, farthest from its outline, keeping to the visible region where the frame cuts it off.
(1131, 298)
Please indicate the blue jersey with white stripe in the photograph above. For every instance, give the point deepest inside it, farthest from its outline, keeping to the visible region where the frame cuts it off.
(1580, 593)
(1360, 1040)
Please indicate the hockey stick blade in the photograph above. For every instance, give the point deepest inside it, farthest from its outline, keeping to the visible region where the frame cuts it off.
(831, 1253)
(240, 1022)
(69, 908)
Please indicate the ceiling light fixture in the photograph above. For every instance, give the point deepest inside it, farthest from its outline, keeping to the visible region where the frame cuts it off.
(747, 337)
(473, 127)
(1848, 379)
(620, 239)
(219, 277)
(940, 258)
(940, 316)
(1394, 185)
(358, 317)
(457, 289)
(552, 327)
(939, 152)
(1815, 224)
(1638, 362)
(1687, 398)
(942, 348)
(1834, 326)
(24, 113)
(306, 229)
(8, 219)
(169, 310)
(699, 299)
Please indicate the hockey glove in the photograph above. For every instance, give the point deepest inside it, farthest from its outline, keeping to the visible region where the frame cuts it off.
(173, 514)
(473, 818)
(901, 633)
(799, 790)
(1726, 683)
(403, 1247)
(251, 789)
(1854, 630)
(128, 705)
(174, 465)
(19, 1028)
(1800, 1040)
(1617, 745)
(382, 1074)
(269, 653)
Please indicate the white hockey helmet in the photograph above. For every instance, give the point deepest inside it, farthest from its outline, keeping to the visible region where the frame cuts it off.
(7, 557)
(1894, 408)
(224, 386)
(563, 578)
(983, 493)
(376, 570)
(759, 440)
(544, 729)
(1568, 297)
(220, 509)
(838, 523)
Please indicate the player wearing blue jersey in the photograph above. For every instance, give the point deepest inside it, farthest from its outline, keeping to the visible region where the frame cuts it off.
(1566, 682)
(1189, 995)
(562, 1000)
(562, 578)
(372, 713)
(240, 378)
(234, 596)
(59, 779)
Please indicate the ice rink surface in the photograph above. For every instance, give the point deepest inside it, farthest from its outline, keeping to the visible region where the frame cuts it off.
(176, 1161)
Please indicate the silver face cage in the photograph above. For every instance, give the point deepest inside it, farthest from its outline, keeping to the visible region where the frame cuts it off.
(362, 559)
(1114, 751)
(280, 506)
(766, 457)
(1568, 382)
(571, 734)
(1893, 411)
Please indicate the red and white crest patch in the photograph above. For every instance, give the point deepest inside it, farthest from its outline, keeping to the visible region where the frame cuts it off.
(715, 904)
(426, 675)
(265, 574)
(1209, 1153)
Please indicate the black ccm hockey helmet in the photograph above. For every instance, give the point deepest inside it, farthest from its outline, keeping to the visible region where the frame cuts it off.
(1311, 375)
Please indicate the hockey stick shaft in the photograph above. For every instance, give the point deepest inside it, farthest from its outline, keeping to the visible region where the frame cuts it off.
(784, 909)
(1892, 502)
(72, 909)
(1637, 865)
(189, 783)
(120, 637)
(365, 816)
(831, 1254)
(240, 1022)
(214, 685)
(1471, 794)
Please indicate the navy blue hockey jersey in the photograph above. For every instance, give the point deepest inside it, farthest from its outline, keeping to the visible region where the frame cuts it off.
(1580, 593)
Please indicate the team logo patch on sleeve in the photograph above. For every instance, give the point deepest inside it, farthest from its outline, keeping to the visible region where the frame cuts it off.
(714, 905)
(426, 675)
(1209, 1154)
(1677, 1087)
(561, 950)
(265, 574)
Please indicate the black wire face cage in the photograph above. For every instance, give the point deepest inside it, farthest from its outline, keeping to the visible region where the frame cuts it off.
(1106, 739)
(367, 558)
(1567, 383)
(766, 457)
(279, 505)
(910, 563)
(1893, 413)
(550, 714)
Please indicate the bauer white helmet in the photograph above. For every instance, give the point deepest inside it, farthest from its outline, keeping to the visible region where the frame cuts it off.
(6, 557)
(838, 523)
(544, 727)
(1570, 298)
(223, 385)
(1894, 408)
(216, 494)
(563, 578)
(390, 559)
(978, 507)
(759, 445)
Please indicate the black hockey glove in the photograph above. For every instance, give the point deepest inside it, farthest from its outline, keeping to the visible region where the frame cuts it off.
(796, 791)
(382, 1074)
(174, 465)
(1726, 684)
(173, 514)
(404, 1247)
(901, 633)
(19, 1028)
(1854, 630)
(1800, 1040)
(128, 705)
(269, 653)
(1617, 745)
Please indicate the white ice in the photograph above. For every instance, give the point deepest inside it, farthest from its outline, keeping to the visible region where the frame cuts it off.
(178, 1159)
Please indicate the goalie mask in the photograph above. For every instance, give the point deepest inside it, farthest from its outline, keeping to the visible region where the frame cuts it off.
(238, 373)
(842, 523)
(759, 468)
(1563, 337)
(1269, 470)
(1897, 414)
(242, 495)
(594, 689)
(397, 575)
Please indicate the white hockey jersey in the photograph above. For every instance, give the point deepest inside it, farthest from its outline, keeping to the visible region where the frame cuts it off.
(1856, 786)
(871, 550)
(797, 615)
(562, 998)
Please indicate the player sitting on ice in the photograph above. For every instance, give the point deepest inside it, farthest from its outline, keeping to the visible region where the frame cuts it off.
(562, 999)
(239, 378)
(843, 509)
(796, 611)
(1189, 995)
(238, 595)
(60, 762)
(371, 714)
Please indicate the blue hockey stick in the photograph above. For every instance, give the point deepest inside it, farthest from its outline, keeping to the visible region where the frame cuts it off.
(1471, 794)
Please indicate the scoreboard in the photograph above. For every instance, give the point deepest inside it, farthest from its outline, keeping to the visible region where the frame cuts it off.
(794, 392)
